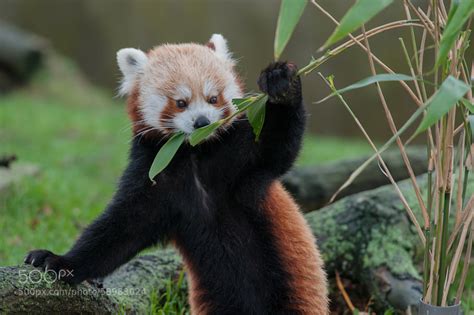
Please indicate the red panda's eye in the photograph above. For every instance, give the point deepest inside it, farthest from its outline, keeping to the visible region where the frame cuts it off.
(213, 100)
(181, 103)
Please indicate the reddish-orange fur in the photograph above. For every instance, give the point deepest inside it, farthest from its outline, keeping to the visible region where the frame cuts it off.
(133, 104)
(222, 103)
(196, 292)
(170, 110)
(298, 252)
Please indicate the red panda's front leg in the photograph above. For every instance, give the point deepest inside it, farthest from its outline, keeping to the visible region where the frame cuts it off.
(282, 133)
(133, 220)
(113, 239)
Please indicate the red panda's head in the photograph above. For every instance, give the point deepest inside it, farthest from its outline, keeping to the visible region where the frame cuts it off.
(179, 87)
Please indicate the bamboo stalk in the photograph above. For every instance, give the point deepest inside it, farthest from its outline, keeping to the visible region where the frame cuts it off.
(457, 255)
(424, 19)
(467, 261)
(443, 248)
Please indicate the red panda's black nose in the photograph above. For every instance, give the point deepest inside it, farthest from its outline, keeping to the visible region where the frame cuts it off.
(201, 121)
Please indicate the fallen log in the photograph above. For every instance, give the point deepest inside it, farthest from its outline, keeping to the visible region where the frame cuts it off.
(21, 54)
(313, 186)
(23, 289)
(366, 237)
(369, 239)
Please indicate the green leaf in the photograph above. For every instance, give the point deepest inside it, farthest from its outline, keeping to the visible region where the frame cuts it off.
(256, 116)
(240, 103)
(290, 14)
(370, 80)
(459, 13)
(468, 105)
(202, 133)
(449, 93)
(361, 12)
(166, 153)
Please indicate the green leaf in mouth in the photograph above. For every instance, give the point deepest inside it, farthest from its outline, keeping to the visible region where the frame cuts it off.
(166, 154)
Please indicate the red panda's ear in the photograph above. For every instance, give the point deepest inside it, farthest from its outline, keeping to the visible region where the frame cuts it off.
(131, 62)
(219, 44)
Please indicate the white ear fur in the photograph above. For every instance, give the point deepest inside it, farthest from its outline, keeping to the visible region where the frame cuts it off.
(131, 62)
(220, 46)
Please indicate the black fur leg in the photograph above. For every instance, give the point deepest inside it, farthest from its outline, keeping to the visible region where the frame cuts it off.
(133, 220)
(280, 139)
(48, 261)
(280, 81)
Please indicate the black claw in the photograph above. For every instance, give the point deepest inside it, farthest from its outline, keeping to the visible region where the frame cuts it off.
(46, 260)
(279, 81)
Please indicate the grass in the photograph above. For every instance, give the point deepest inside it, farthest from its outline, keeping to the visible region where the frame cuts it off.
(80, 152)
(174, 301)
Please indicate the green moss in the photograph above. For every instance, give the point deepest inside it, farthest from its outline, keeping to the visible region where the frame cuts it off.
(391, 248)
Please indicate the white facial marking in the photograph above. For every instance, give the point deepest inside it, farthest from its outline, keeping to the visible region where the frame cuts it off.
(183, 92)
(231, 91)
(209, 89)
(152, 105)
(185, 121)
(132, 63)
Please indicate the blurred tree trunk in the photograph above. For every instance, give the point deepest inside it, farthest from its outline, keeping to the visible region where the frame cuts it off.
(313, 186)
(21, 54)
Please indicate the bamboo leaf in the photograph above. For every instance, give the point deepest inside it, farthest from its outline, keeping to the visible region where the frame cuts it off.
(202, 133)
(256, 115)
(361, 12)
(468, 105)
(449, 93)
(166, 153)
(370, 80)
(459, 13)
(240, 103)
(290, 14)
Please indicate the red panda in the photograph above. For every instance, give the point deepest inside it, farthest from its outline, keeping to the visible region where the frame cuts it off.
(245, 244)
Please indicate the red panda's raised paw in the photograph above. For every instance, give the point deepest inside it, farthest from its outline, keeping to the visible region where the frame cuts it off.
(281, 82)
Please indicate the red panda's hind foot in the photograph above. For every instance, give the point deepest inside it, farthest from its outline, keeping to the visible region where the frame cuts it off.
(281, 82)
